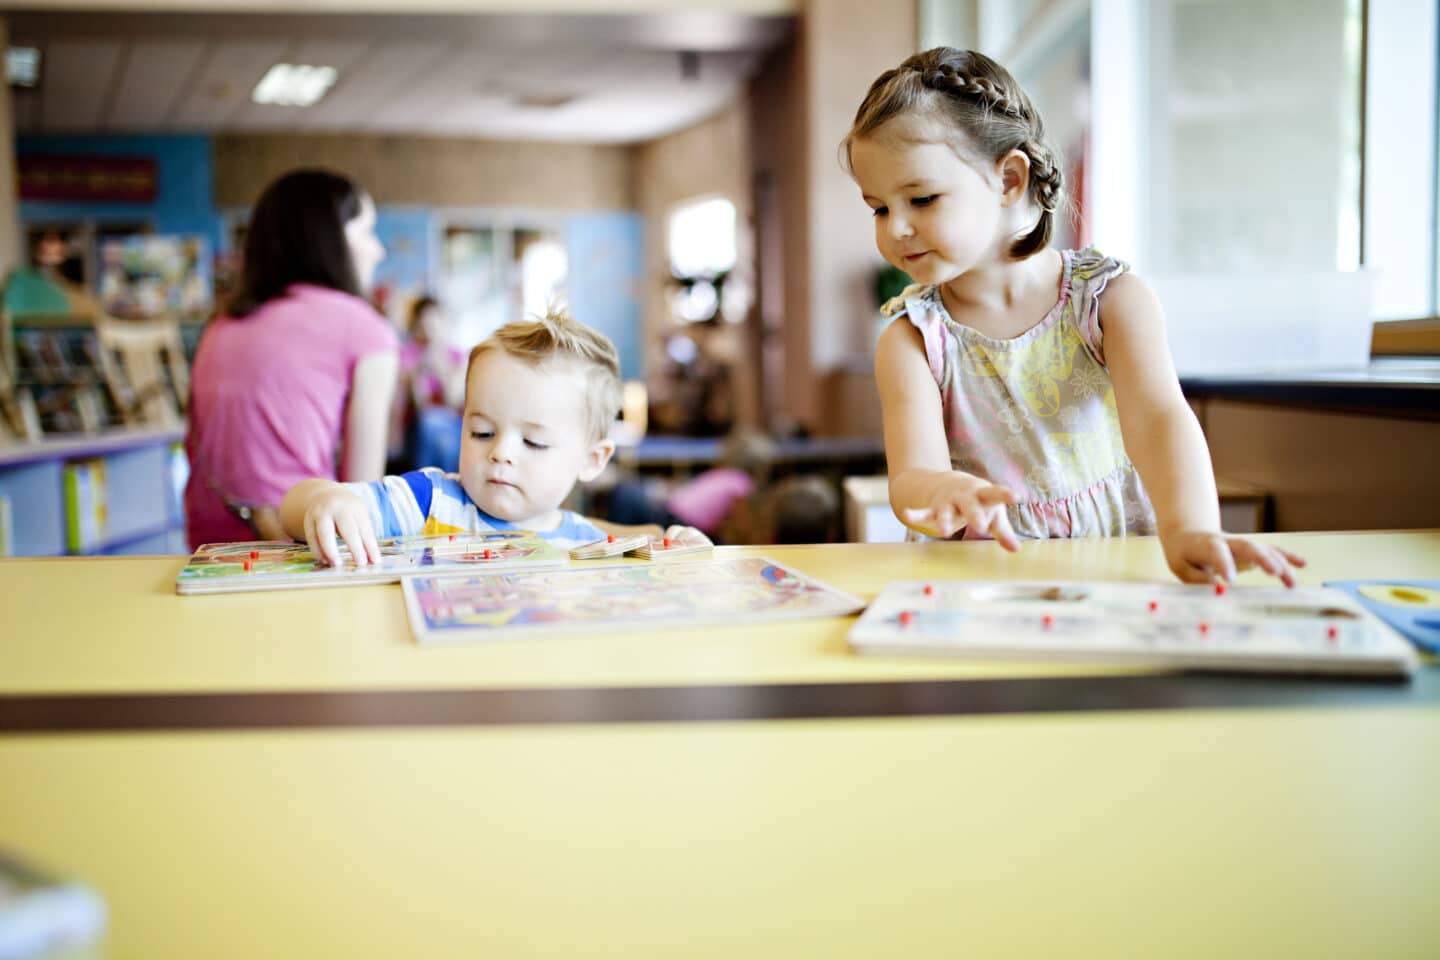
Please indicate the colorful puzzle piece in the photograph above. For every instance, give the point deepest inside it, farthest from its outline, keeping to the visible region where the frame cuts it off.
(615, 597)
(663, 548)
(611, 546)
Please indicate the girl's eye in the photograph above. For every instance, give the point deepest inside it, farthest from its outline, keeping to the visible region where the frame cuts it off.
(481, 434)
(924, 201)
(536, 446)
(880, 211)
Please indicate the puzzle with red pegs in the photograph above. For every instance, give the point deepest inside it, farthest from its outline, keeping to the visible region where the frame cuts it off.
(1246, 629)
(282, 565)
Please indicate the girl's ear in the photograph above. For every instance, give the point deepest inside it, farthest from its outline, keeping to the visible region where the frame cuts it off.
(1014, 170)
(596, 458)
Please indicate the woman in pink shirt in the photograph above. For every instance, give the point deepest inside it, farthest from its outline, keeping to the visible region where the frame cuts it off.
(295, 379)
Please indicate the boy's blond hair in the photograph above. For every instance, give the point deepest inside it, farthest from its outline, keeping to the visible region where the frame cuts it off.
(557, 335)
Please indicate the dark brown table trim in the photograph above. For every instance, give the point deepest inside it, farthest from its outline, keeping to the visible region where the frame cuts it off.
(74, 713)
(1414, 399)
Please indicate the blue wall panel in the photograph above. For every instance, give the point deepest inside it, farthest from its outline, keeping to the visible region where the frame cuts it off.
(37, 507)
(411, 255)
(606, 269)
(184, 201)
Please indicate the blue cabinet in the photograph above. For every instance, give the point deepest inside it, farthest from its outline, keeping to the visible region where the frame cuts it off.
(140, 481)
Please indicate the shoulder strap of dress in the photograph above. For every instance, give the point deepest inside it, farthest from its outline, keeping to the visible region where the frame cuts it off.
(896, 305)
(1090, 270)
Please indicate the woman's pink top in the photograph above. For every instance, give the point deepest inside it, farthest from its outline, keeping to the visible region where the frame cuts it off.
(268, 399)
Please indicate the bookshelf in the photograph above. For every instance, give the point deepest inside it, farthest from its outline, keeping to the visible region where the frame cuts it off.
(140, 480)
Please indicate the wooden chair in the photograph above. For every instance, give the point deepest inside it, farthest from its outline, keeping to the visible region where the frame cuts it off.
(144, 365)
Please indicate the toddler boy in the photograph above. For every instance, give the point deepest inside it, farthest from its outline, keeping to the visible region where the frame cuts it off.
(540, 397)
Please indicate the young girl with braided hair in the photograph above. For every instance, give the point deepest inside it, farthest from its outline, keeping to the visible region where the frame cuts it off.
(1027, 392)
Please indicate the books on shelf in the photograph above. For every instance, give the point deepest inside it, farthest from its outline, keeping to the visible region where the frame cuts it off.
(59, 372)
(86, 502)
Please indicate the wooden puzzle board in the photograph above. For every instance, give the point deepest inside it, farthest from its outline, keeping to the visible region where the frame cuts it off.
(618, 597)
(282, 565)
(1304, 630)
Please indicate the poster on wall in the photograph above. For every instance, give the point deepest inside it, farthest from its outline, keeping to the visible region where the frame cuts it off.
(87, 179)
(151, 275)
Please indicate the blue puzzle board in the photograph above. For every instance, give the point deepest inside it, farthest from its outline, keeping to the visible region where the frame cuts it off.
(1412, 607)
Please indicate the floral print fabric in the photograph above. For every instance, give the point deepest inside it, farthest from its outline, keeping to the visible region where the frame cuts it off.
(1037, 413)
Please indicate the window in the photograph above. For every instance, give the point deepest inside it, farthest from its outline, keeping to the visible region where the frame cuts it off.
(1229, 137)
(702, 255)
(542, 271)
(493, 272)
(1399, 240)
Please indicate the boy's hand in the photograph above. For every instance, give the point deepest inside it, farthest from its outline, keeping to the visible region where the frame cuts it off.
(1197, 556)
(964, 501)
(338, 511)
(689, 536)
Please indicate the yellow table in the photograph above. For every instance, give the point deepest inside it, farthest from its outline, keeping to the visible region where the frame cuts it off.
(285, 807)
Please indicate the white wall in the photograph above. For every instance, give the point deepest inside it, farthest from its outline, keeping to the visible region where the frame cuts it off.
(1400, 157)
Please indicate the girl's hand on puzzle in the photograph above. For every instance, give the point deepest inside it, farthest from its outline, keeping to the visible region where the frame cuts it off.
(678, 533)
(964, 501)
(337, 511)
(1206, 557)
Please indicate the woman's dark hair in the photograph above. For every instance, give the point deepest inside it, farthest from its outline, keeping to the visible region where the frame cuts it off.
(297, 235)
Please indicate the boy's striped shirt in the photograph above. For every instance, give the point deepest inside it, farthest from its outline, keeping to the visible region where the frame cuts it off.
(429, 501)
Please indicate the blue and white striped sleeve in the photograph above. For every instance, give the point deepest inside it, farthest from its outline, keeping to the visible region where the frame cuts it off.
(399, 505)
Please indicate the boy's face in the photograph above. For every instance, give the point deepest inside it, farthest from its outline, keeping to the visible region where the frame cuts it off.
(525, 440)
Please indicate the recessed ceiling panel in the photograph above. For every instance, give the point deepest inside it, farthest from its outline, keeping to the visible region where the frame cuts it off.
(615, 78)
(76, 83)
(156, 76)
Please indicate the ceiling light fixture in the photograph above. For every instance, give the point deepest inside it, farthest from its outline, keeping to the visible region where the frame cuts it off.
(293, 84)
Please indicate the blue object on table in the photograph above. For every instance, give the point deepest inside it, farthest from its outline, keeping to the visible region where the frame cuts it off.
(1410, 606)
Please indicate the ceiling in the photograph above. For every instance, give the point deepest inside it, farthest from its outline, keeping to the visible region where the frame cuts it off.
(578, 78)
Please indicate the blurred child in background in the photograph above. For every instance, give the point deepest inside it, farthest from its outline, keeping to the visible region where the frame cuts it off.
(425, 428)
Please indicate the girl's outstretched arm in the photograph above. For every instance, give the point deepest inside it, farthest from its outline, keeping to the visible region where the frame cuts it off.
(925, 493)
(1165, 443)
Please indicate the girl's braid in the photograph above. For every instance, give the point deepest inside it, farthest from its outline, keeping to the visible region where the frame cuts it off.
(946, 79)
(1046, 180)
